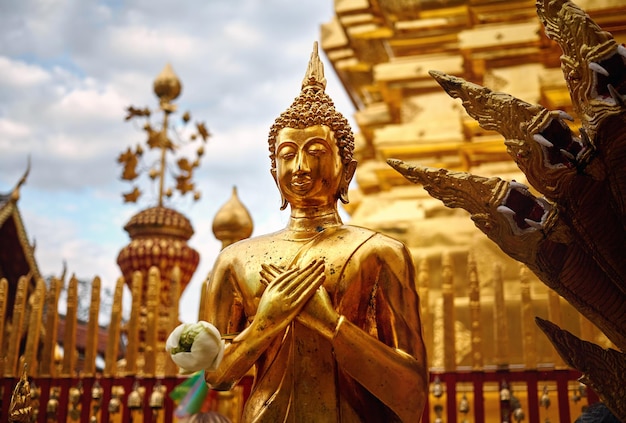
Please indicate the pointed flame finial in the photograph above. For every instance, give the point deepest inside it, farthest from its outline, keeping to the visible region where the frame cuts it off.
(314, 77)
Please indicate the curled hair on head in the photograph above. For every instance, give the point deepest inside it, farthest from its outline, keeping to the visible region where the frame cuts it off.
(314, 107)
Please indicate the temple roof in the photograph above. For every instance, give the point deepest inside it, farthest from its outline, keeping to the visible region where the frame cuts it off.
(17, 255)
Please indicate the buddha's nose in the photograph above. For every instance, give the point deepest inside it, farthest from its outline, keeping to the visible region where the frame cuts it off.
(302, 164)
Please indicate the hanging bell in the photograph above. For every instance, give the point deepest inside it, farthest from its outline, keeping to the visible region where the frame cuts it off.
(437, 388)
(52, 407)
(134, 398)
(505, 393)
(74, 395)
(464, 405)
(438, 408)
(545, 399)
(35, 391)
(114, 405)
(96, 391)
(157, 398)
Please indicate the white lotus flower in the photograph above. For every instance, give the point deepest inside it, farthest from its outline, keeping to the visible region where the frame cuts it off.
(195, 346)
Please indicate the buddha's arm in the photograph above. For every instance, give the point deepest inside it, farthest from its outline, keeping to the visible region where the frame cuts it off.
(392, 367)
(396, 369)
(282, 299)
(224, 311)
(396, 378)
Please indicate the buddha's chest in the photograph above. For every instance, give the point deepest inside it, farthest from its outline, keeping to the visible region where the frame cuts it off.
(344, 253)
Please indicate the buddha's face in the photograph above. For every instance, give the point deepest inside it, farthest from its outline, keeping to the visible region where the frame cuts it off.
(309, 170)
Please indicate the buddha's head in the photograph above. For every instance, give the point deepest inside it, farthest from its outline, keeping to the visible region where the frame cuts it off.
(311, 145)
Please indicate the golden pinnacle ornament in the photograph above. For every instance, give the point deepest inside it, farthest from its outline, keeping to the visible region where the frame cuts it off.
(159, 234)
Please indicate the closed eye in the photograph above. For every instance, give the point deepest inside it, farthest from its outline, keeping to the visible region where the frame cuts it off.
(316, 149)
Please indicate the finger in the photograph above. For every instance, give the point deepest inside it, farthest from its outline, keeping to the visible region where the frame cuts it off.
(311, 263)
(265, 277)
(312, 268)
(282, 281)
(289, 283)
(271, 269)
(305, 283)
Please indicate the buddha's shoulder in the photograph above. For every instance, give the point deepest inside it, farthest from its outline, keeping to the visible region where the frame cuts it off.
(250, 246)
(375, 239)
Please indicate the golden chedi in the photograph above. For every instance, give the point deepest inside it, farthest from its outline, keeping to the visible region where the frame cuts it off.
(232, 221)
(159, 238)
(159, 234)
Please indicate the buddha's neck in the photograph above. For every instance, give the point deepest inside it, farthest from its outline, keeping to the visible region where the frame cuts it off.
(307, 222)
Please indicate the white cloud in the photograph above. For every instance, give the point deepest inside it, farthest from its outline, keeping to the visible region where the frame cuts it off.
(90, 103)
(240, 32)
(20, 74)
(141, 42)
(68, 70)
(11, 131)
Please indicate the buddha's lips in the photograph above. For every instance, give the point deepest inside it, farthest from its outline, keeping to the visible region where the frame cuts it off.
(301, 183)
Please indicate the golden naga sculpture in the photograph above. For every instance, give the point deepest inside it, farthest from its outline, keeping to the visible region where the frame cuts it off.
(573, 237)
(326, 313)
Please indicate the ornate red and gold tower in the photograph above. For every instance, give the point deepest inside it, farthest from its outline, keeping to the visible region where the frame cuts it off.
(159, 238)
(159, 234)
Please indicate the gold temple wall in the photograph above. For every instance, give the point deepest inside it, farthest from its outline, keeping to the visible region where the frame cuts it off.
(382, 51)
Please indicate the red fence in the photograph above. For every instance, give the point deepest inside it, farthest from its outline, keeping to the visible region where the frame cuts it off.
(490, 403)
(79, 402)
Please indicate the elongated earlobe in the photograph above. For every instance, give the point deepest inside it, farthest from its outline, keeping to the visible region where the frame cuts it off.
(283, 201)
(348, 174)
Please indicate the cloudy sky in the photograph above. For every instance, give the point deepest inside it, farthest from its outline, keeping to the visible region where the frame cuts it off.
(68, 70)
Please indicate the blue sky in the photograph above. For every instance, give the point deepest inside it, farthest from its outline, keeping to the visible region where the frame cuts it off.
(68, 70)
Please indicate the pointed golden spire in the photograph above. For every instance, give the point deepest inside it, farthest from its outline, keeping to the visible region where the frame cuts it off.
(232, 221)
(167, 86)
(314, 77)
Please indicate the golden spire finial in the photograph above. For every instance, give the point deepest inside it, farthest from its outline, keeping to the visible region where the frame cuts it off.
(15, 194)
(167, 87)
(232, 222)
(314, 77)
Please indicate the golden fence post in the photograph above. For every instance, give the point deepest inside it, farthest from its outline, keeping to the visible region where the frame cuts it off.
(91, 348)
(501, 335)
(110, 360)
(69, 337)
(4, 297)
(474, 309)
(151, 328)
(423, 290)
(47, 367)
(133, 324)
(17, 322)
(34, 328)
(170, 367)
(529, 337)
(449, 331)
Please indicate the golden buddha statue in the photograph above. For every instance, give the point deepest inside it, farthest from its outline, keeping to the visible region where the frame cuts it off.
(326, 313)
